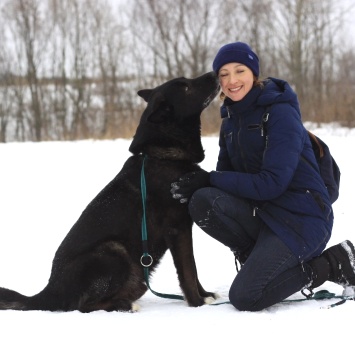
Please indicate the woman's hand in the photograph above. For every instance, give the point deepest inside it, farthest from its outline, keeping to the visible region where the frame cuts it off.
(188, 184)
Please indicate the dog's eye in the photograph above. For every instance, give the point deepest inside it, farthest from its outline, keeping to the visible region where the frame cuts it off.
(184, 86)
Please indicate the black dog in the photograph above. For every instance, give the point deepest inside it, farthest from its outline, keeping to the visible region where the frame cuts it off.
(97, 266)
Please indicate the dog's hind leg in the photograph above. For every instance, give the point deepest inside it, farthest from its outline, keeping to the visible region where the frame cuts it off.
(111, 281)
(111, 293)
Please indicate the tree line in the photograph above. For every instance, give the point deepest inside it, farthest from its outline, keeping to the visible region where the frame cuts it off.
(70, 69)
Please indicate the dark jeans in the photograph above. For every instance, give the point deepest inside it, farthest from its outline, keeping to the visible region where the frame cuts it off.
(271, 272)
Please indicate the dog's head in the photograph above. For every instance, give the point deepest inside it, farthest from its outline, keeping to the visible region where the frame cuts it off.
(170, 124)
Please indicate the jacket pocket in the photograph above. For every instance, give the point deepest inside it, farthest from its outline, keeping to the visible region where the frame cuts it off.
(254, 127)
(326, 209)
(317, 198)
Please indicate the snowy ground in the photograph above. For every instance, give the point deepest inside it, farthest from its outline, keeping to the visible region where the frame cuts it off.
(43, 189)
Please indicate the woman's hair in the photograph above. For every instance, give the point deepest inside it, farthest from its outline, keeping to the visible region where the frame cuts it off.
(256, 83)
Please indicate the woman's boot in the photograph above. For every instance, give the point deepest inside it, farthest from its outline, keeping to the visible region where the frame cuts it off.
(336, 264)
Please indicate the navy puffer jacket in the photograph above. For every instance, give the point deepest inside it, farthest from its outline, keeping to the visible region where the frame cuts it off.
(278, 176)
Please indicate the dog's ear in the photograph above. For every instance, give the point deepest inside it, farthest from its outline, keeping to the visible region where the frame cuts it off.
(158, 109)
(145, 94)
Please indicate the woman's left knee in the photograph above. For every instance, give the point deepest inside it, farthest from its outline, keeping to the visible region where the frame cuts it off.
(242, 301)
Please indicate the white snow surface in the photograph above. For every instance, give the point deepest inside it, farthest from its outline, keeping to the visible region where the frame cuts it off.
(45, 186)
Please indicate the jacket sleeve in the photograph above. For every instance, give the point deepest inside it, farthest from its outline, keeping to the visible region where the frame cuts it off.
(280, 160)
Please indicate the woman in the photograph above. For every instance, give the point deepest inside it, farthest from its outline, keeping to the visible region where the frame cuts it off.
(266, 200)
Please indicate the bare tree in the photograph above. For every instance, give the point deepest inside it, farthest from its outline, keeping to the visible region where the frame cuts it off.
(307, 29)
(70, 69)
(179, 41)
(31, 37)
(59, 66)
(251, 21)
(343, 91)
(5, 100)
(110, 52)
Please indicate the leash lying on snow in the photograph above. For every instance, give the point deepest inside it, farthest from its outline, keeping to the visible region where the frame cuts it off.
(320, 295)
(147, 260)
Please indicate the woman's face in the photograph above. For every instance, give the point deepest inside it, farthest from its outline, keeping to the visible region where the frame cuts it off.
(236, 80)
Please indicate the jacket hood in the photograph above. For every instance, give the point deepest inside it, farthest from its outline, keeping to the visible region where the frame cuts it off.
(277, 91)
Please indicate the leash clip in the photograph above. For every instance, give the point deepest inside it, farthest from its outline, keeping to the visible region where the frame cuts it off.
(148, 264)
(308, 294)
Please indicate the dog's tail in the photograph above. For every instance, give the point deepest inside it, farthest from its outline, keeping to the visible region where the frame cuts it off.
(10, 299)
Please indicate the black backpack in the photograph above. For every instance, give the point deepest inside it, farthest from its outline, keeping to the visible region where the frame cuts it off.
(329, 170)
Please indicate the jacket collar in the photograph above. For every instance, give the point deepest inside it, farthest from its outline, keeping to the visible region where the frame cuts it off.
(246, 103)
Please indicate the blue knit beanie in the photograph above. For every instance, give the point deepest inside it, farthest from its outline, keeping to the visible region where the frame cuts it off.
(238, 52)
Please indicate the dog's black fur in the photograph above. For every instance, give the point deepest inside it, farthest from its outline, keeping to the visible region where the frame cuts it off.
(97, 266)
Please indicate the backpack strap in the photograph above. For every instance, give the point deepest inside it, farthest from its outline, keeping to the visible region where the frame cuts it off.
(315, 141)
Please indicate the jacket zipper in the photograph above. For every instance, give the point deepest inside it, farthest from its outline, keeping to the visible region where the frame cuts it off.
(242, 154)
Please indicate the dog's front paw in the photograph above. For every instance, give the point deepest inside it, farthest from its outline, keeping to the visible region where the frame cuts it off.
(216, 296)
(134, 308)
(211, 298)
